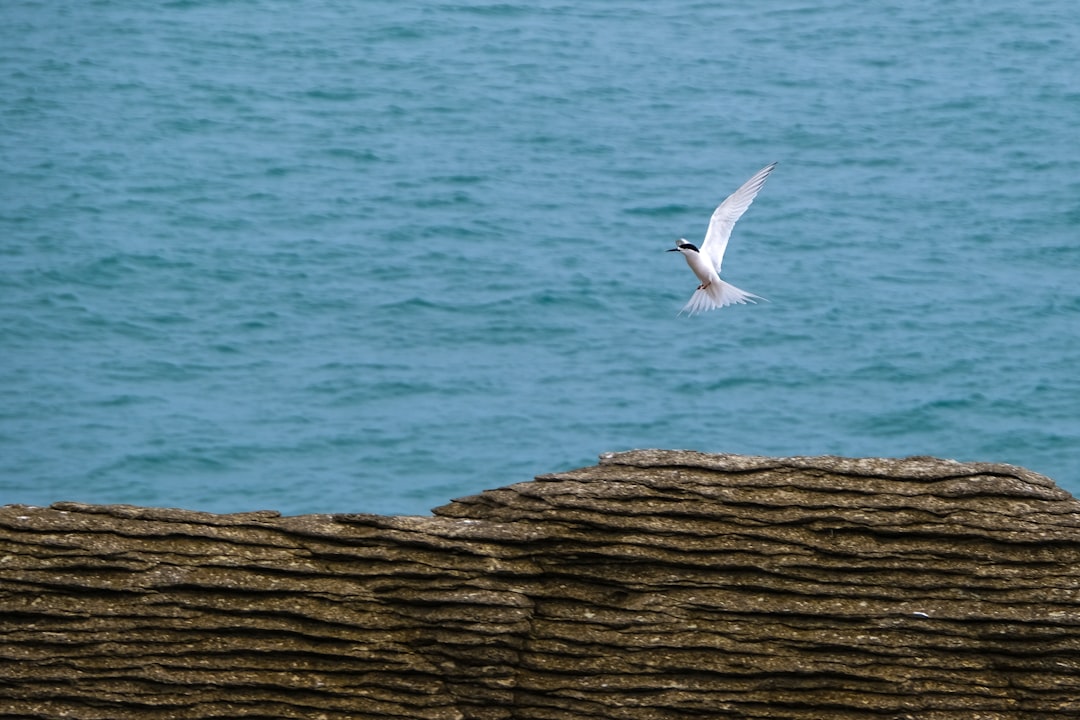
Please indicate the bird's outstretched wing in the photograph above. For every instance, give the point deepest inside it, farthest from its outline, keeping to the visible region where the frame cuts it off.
(725, 216)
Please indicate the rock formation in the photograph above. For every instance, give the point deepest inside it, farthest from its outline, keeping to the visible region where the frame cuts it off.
(657, 584)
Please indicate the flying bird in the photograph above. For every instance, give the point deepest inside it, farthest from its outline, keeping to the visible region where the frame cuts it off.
(705, 261)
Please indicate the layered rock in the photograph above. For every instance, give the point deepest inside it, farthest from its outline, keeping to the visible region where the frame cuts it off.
(658, 584)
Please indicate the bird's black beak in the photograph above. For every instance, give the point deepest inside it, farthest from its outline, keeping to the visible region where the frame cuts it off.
(672, 250)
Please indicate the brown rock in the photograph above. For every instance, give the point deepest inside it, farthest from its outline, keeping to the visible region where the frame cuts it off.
(658, 584)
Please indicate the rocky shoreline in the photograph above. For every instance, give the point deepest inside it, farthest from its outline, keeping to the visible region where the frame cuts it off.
(656, 584)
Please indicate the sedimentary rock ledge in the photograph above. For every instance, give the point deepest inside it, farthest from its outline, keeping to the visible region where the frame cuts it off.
(658, 584)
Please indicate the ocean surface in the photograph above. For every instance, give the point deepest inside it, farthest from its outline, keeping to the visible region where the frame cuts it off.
(371, 256)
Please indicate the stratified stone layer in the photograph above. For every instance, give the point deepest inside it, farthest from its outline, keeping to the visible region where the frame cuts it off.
(658, 584)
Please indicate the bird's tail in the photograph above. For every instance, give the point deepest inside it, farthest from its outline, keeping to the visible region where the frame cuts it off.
(719, 294)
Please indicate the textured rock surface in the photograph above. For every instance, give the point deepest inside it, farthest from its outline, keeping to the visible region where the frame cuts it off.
(657, 584)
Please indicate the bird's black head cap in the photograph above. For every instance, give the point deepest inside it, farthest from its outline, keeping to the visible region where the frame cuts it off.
(683, 245)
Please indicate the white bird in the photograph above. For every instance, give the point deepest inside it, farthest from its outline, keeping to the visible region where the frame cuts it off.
(713, 292)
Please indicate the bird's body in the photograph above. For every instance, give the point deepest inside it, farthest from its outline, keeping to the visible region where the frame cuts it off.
(713, 292)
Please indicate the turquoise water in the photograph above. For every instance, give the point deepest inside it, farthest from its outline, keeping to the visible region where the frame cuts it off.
(344, 257)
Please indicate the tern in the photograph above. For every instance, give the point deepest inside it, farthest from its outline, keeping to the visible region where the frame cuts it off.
(705, 261)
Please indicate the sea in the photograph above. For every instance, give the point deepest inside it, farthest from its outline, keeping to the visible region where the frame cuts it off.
(367, 257)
